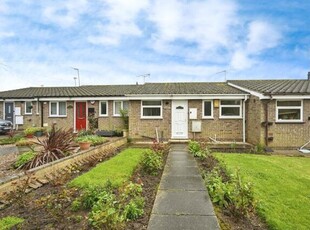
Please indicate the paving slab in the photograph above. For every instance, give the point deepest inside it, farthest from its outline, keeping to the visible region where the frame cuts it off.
(182, 202)
(181, 163)
(163, 222)
(180, 157)
(188, 183)
(181, 171)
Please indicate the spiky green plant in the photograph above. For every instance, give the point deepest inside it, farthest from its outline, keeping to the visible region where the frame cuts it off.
(58, 144)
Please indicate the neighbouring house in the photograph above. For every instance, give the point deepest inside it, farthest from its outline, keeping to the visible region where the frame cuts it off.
(270, 112)
(277, 112)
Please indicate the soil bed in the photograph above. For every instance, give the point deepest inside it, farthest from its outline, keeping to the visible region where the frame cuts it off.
(226, 219)
(49, 207)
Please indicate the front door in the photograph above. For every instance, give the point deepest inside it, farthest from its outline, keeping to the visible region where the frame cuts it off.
(80, 116)
(179, 120)
(9, 111)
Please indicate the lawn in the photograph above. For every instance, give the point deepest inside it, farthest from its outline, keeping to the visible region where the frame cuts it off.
(9, 222)
(118, 170)
(281, 184)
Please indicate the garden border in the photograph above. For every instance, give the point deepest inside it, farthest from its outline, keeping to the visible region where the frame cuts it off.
(45, 172)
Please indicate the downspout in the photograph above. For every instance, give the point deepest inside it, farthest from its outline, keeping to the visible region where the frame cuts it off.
(42, 113)
(243, 120)
(266, 121)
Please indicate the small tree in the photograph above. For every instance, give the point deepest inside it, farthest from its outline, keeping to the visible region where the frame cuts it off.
(125, 118)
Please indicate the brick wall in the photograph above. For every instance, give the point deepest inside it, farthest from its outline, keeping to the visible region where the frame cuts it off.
(61, 122)
(30, 120)
(291, 135)
(146, 127)
(110, 122)
(254, 116)
(223, 129)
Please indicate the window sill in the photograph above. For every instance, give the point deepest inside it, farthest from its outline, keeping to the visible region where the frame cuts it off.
(57, 116)
(151, 118)
(290, 122)
(230, 118)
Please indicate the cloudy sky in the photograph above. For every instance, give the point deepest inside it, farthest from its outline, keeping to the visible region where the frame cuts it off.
(114, 41)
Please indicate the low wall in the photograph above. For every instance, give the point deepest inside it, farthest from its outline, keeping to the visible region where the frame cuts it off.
(48, 170)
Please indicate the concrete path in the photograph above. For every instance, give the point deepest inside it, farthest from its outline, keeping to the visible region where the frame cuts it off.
(182, 201)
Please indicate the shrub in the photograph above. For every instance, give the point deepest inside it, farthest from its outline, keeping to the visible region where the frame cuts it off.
(11, 140)
(234, 195)
(93, 139)
(151, 162)
(199, 150)
(259, 149)
(58, 144)
(23, 159)
(194, 147)
(134, 209)
(24, 142)
(158, 147)
(84, 132)
(32, 130)
(105, 213)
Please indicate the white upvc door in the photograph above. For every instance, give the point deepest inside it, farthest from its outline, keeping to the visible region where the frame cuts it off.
(179, 120)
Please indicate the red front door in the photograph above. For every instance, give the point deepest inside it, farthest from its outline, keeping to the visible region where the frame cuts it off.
(80, 116)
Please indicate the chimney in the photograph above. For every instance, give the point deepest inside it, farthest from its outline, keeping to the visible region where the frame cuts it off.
(308, 75)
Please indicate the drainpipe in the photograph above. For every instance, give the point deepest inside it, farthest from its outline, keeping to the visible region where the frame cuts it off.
(266, 122)
(243, 120)
(42, 113)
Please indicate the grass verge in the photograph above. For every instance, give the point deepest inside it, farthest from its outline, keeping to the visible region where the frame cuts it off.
(9, 222)
(281, 184)
(118, 170)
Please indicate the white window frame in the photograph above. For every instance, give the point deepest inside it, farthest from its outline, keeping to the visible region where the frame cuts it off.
(301, 108)
(152, 106)
(107, 109)
(231, 106)
(122, 107)
(57, 109)
(203, 109)
(27, 106)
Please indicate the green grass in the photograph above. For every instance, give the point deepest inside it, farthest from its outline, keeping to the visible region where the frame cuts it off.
(9, 222)
(281, 184)
(118, 170)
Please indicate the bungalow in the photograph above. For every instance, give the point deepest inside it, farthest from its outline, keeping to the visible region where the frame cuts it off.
(278, 111)
(173, 110)
(271, 112)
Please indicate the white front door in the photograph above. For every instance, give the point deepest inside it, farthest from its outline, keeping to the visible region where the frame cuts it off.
(179, 120)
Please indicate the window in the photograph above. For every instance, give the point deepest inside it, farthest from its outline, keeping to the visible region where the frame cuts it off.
(151, 109)
(103, 108)
(230, 109)
(58, 109)
(118, 106)
(28, 107)
(289, 111)
(207, 109)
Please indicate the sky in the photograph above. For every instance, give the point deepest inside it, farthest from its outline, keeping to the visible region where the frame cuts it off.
(116, 41)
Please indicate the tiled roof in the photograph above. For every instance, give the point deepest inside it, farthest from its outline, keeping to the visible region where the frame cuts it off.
(275, 87)
(188, 88)
(122, 90)
(82, 91)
